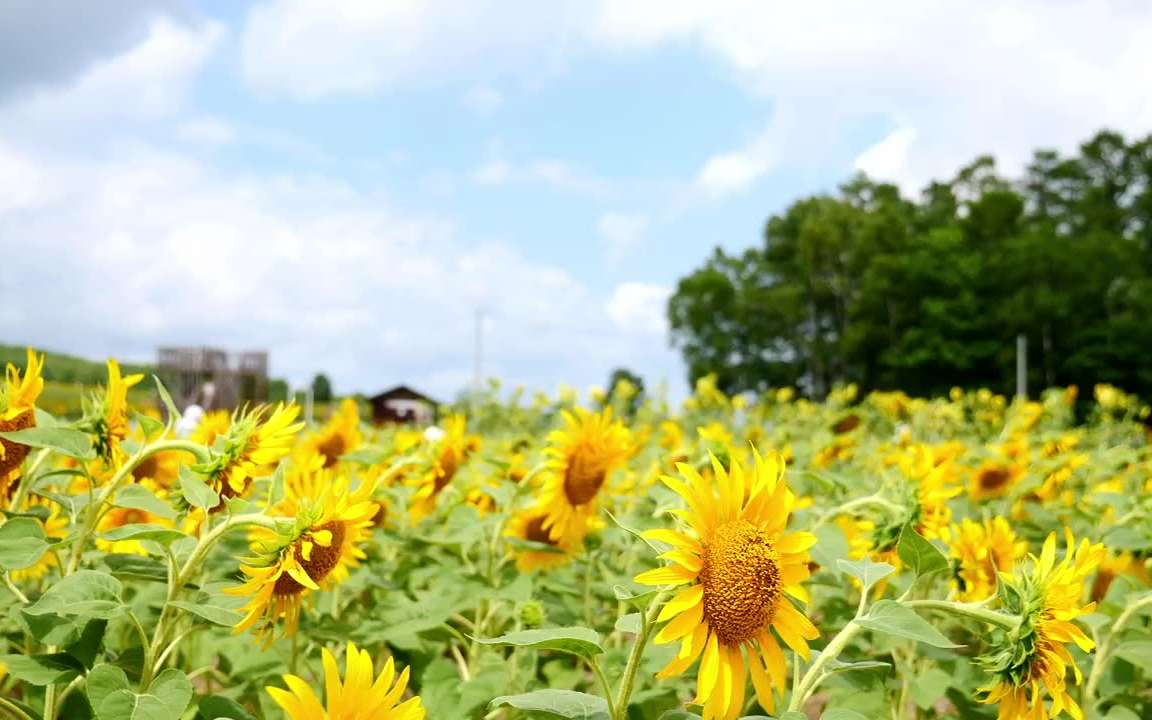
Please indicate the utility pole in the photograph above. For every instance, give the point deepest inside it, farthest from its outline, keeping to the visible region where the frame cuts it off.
(1022, 366)
(478, 359)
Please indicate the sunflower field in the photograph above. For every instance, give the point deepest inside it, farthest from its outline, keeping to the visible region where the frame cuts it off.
(863, 557)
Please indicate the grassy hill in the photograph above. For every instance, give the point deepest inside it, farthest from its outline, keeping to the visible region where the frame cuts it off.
(68, 377)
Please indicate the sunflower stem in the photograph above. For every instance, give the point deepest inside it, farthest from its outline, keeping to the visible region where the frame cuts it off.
(970, 611)
(13, 710)
(815, 674)
(874, 499)
(26, 482)
(604, 686)
(14, 590)
(619, 708)
(1100, 661)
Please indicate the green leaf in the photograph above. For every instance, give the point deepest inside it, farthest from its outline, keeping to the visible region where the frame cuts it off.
(866, 571)
(197, 492)
(831, 544)
(43, 669)
(641, 601)
(86, 647)
(929, 687)
(1128, 538)
(1137, 652)
(173, 689)
(656, 548)
(65, 441)
(22, 543)
(578, 641)
(149, 424)
(137, 567)
(86, 593)
(211, 613)
(49, 629)
(139, 497)
(630, 623)
(679, 715)
(166, 698)
(919, 553)
(127, 705)
(276, 489)
(143, 531)
(166, 398)
(895, 619)
(1119, 712)
(557, 704)
(102, 682)
(793, 715)
(218, 707)
(842, 714)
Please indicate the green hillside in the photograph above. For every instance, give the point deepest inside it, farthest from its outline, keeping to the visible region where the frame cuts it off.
(64, 368)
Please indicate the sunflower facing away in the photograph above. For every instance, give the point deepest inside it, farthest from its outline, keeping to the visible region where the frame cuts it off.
(984, 550)
(356, 698)
(738, 565)
(339, 436)
(1048, 600)
(528, 525)
(256, 440)
(107, 415)
(581, 460)
(312, 554)
(17, 412)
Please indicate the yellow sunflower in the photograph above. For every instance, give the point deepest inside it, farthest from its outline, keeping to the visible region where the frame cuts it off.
(1113, 566)
(581, 460)
(313, 554)
(108, 415)
(528, 525)
(995, 479)
(341, 435)
(859, 532)
(256, 440)
(452, 451)
(356, 698)
(212, 425)
(18, 397)
(739, 566)
(983, 550)
(162, 468)
(1034, 658)
(117, 517)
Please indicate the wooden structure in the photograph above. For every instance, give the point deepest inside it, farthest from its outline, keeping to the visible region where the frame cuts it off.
(213, 379)
(402, 404)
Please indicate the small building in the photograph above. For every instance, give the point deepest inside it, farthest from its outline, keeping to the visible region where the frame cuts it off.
(213, 378)
(402, 404)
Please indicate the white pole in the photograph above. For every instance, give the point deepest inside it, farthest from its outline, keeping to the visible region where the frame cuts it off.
(479, 380)
(1022, 366)
(308, 404)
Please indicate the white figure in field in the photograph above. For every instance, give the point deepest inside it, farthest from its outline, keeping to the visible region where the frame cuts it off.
(189, 420)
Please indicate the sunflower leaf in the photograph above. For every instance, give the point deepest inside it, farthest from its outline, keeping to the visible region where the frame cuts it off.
(211, 613)
(842, 714)
(43, 669)
(655, 548)
(87, 593)
(630, 623)
(919, 553)
(577, 641)
(557, 704)
(866, 571)
(197, 492)
(143, 531)
(138, 497)
(640, 600)
(66, 441)
(893, 618)
(169, 405)
(22, 543)
(1137, 652)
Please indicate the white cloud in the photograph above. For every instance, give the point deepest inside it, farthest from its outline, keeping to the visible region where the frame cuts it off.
(732, 172)
(483, 100)
(208, 131)
(889, 158)
(622, 231)
(640, 308)
(557, 174)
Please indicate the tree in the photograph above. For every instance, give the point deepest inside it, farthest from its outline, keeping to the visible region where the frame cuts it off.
(277, 390)
(321, 388)
(631, 398)
(868, 286)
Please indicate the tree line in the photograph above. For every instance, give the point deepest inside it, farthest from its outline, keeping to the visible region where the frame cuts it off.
(866, 285)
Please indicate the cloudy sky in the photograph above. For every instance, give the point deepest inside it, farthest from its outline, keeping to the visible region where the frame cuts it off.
(344, 182)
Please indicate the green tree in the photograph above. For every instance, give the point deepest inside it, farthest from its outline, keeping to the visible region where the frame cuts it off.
(321, 388)
(277, 390)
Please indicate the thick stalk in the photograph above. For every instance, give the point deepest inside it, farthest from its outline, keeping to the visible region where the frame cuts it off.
(26, 481)
(628, 681)
(815, 673)
(13, 711)
(14, 590)
(1100, 661)
(970, 611)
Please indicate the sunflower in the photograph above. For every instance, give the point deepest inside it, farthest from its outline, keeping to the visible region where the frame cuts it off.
(256, 440)
(841, 448)
(313, 554)
(340, 436)
(106, 417)
(581, 460)
(995, 479)
(118, 517)
(161, 468)
(1048, 599)
(859, 533)
(528, 527)
(18, 397)
(452, 451)
(355, 698)
(983, 550)
(1113, 566)
(739, 565)
(213, 424)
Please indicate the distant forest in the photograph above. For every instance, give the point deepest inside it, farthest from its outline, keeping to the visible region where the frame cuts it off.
(868, 286)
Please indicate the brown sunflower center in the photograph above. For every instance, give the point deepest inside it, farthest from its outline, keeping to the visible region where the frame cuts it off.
(149, 467)
(332, 447)
(448, 464)
(535, 531)
(320, 562)
(742, 581)
(14, 453)
(584, 477)
(133, 516)
(993, 479)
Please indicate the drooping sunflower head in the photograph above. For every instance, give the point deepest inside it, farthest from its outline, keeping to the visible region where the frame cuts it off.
(533, 544)
(983, 550)
(256, 440)
(312, 553)
(213, 424)
(106, 414)
(581, 459)
(361, 693)
(1032, 660)
(18, 397)
(341, 435)
(739, 569)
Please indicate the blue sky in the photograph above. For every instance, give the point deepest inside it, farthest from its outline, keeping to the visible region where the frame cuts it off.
(345, 182)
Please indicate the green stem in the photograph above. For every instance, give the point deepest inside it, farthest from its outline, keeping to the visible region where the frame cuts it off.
(1099, 662)
(628, 681)
(14, 711)
(140, 630)
(605, 688)
(590, 564)
(873, 499)
(815, 673)
(26, 481)
(970, 611)
(72, 686)
(14, 590)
